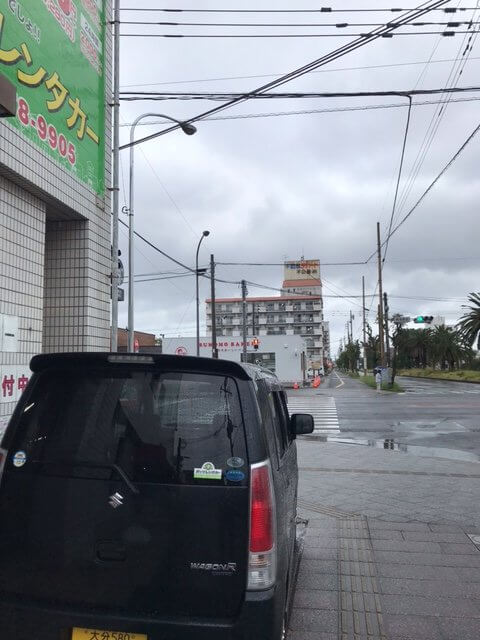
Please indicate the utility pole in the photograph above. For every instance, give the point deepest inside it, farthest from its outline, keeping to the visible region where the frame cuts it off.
(244, 321)
(364, 329)
(352, 317)
(213, 308)
(387, 337)
(253, 318)
(115, 174)
(380, 297)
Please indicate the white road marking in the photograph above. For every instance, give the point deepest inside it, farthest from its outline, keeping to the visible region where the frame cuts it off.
(322, 408)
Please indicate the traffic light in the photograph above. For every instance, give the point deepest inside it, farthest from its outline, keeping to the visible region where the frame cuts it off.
(255, 343)
(423, 319)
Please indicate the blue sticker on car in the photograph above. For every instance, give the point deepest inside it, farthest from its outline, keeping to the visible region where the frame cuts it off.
(234, 475)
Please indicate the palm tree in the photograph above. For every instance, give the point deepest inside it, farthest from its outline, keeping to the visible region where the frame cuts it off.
(469, 323)
(420, 345)
(446, 348)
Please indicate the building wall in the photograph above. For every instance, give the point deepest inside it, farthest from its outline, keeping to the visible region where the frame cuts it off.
(287, 349)
(55, 259)
(22, 229)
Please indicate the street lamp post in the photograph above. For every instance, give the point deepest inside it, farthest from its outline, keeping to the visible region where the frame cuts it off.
(204, 235)
(189, 130)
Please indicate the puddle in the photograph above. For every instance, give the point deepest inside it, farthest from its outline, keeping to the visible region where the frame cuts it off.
(390, 444)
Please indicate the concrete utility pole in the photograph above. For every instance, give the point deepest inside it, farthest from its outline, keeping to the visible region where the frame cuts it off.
(244, 319)
(115, 174)
(352, 317)
(387, 337)
(380, 297)
(213, 308)
(364, 329)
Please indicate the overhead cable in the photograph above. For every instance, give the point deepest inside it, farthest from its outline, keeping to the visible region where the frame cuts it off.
(447, 34)
(335, 25)
(311, 66)
(295, 95)
(433, 127)
(272, 75)
(402, 157)
(429, 188)
(247, 116)
(320, 10)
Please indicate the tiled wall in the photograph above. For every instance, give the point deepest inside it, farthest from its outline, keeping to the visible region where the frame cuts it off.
(77, 281)
(50, 218)
(22, 231)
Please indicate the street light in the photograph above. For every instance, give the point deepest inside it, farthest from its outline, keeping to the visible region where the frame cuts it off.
(204, 235)
(189, 130)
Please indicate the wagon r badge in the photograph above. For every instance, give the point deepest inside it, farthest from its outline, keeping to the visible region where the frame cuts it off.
(116, 500)
(215, 568)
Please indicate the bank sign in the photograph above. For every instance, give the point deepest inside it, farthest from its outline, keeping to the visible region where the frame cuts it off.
(53, 51)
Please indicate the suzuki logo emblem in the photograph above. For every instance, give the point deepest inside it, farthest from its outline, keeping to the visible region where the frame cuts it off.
(116, 500)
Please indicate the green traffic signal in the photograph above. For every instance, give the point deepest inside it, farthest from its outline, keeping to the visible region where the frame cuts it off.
(423, 319)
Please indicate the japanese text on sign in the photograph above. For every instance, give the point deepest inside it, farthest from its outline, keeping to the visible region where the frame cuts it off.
(61, 97)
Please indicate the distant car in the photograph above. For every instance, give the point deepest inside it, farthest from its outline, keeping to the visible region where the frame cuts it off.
(148, 498)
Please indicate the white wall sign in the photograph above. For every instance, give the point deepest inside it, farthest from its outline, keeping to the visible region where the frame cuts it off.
(13, 380)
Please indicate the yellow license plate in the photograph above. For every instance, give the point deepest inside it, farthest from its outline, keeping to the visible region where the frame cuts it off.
(97, 634)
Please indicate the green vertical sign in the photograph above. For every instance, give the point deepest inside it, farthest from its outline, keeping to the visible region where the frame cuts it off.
(54, 52)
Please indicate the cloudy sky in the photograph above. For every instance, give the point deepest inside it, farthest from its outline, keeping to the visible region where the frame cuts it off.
(279, 187)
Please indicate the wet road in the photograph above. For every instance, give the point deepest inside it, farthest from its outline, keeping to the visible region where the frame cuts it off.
(431, 418)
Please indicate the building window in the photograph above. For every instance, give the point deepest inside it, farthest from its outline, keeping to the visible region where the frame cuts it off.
(309, 329)
(270, 319)
(297, 331)
(282, 306)
(282, 320)
(309, 306)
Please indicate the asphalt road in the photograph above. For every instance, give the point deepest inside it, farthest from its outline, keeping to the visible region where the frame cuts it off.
(438, 419)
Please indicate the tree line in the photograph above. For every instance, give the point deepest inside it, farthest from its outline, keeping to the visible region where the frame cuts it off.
(439, 347)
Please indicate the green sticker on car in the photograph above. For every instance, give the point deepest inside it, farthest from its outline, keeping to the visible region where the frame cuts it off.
(207, 472)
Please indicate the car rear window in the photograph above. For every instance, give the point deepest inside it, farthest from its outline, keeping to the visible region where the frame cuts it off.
(157, 427)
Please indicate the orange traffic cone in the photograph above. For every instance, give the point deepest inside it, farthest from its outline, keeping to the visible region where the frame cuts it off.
(295, 385)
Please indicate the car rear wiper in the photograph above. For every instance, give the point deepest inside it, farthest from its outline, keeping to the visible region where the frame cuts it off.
(96, 465)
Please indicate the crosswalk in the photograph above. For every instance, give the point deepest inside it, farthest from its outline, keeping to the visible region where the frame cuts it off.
(435, 389)
(322, 408)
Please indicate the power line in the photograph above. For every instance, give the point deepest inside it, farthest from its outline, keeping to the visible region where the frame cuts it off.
(321, 10)
(447, 34)
(405, 93)
(430, 187)
(311, 66)
(338, 25)
(404, 145)
(248, 116)
(432, 129)
(272, 75)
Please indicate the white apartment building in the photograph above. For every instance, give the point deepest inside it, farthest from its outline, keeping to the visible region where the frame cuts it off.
(297, 311)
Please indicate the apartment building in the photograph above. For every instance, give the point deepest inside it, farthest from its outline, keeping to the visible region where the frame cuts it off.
(298, 310)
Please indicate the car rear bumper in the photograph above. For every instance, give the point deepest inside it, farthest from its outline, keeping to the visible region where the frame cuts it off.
(260, 618)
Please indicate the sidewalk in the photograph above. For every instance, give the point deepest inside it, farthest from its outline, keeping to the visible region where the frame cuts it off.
(387, 554)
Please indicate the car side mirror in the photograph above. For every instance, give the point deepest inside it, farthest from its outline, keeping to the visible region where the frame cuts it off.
(301, 424)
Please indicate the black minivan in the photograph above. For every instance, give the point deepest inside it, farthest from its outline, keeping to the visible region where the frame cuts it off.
(147, 497)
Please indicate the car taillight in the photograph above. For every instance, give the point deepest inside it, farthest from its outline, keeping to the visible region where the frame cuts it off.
(3, 457)
(262, 555)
